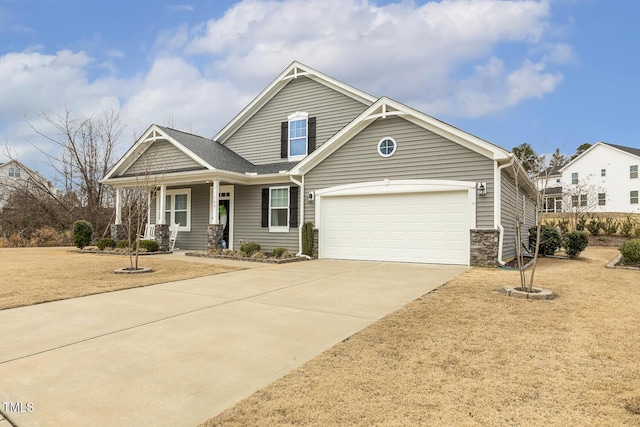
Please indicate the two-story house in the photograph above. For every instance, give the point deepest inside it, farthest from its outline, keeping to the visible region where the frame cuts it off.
(16, 176)
(377, 179)
(604, 178)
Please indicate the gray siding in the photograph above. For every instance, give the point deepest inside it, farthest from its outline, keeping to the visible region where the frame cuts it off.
(258, 140)
(420, 154)
(509, 204)
(248, 205)
(196, 239)
(161, 156)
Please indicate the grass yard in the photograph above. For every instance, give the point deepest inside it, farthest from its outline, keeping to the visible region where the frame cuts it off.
(36, 275)
(467, 355)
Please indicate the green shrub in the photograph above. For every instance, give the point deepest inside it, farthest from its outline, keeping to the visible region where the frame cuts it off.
(626, 226)
(610, 226)
(82, 232)
(594, 226)
(106, 242)
(563, 225)
(122, 244)
(278, 252)
(574, 243)
(550, 240)
(630, 251)
(250, 248)
(581, 223)
(637, 232)
(149, 245)
(307, 238)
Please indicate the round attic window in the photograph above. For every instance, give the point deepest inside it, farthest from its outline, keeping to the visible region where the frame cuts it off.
(387, 146)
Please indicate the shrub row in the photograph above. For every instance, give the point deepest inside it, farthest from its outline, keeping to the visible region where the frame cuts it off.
(573, 242)
(626, 227)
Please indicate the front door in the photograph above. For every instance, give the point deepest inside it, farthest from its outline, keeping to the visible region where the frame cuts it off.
(225, 198)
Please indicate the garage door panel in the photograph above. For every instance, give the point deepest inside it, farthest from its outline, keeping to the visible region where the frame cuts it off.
(414, 227)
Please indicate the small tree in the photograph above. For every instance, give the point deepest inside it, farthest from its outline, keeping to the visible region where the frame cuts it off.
(538, 169)
(82, 233)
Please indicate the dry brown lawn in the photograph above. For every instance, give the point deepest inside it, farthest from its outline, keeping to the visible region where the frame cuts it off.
(36, 275)
(467, 355)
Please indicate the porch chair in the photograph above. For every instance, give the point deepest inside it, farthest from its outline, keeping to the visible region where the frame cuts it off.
(173, 236)
(149, 232)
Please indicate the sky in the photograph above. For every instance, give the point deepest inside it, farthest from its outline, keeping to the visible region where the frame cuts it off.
(551, 73)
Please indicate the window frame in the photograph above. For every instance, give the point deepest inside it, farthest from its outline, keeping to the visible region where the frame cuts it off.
(603, 172)
(280, 228)
(395, 147)
(574, 178)
(583, 200)
(633, 172)
(172, 193)
(602, 199)
(14, 172)
(633, 198)
(295, 117)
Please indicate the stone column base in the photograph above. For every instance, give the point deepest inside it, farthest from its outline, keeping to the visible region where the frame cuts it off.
(117, 232)
(162, 237)
(314, 249)
(484, 248)
(214, 236)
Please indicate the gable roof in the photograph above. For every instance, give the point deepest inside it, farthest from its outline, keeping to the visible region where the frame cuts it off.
(629, 150)
(293, 71)
(386, 107)
(213, 153)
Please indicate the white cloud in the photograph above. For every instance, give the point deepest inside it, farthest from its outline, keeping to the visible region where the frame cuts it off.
(441, 57)
(402, 50)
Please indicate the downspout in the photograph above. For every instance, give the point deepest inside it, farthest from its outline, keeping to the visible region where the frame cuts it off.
(498, 206)
(301, 222)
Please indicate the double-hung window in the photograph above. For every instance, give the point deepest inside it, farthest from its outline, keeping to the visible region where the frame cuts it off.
(583, 200)
(602, 199)
(177, 208)
(14, 172)
(633, 171)
(298, 135)
(279, 209)
(633, 197)
(574, 178)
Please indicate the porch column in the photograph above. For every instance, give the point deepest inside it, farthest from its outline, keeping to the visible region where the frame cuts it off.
(215, 229)
(161, 207)
(118, 206)
(215, 202)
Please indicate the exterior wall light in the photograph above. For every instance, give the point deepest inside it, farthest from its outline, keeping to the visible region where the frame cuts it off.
(482, 188)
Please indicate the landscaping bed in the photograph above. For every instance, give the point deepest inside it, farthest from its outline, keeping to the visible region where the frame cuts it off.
(268, 258)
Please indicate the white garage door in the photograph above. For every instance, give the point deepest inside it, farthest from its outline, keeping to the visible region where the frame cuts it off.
(410, 227)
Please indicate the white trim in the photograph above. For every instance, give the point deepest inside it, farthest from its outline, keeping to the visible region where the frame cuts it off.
(293, 71)
(153, 134)
(280, 229)
(395, 147)
(397, 187)
(231, 213)
(297, 116)
(382, 107)
(161, 208)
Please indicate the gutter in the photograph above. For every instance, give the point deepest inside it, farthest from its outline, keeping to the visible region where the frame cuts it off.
(498, 207)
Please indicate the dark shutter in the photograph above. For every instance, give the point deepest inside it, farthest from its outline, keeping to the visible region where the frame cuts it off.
(293, 207)
(265, 207)
(312, 135)
(284, 140)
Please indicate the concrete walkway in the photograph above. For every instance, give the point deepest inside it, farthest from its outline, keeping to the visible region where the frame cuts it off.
(178, 353)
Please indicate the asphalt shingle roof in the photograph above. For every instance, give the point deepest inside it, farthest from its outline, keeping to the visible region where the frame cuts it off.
(630, 150)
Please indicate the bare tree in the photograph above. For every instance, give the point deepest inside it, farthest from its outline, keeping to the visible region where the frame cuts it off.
(580, 199)
(539, 168)
(83, 152)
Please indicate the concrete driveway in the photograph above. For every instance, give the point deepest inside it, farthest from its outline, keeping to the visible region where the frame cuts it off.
(178, 353)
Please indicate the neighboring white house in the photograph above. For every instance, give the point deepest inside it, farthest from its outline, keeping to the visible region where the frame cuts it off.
(14, 175)
(551, 182)
(604, 178)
